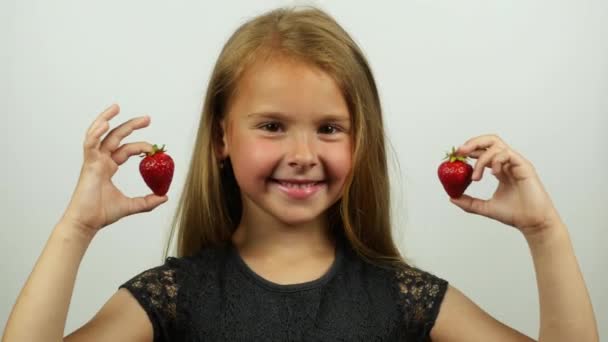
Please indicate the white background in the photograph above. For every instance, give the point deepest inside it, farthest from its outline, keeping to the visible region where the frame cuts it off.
(533, 72)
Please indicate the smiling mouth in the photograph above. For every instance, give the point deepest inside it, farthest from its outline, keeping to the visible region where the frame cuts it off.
(301, 191)
(299, 184)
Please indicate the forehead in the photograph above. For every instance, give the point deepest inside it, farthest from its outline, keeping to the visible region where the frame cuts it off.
(288, 86)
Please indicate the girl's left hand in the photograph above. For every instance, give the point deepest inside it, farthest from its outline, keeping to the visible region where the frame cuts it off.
(520, 199)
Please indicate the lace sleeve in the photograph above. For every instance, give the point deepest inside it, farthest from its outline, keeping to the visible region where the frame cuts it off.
(156, 290)
(420, 295)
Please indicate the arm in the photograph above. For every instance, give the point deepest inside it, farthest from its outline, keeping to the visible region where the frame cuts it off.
(41, 309)
(522, 202)
(565, 307)
(566, 313)
(120, 319)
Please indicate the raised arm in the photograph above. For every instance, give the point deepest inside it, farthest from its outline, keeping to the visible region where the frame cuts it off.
(566, 312)
(40, 311)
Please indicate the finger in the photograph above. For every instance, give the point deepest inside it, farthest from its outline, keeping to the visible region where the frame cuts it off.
(501, 167)
(517, 159)
(106, 115)
(145, 204)
(92, 140)
(113, 139)
(482, 142)
(484, 160)
(122, 154)
(515, 166)
(99, 127)
(472, 205)
(474, 154)
(499, 160)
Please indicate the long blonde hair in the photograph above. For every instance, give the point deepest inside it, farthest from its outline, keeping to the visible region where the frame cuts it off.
(209, 208)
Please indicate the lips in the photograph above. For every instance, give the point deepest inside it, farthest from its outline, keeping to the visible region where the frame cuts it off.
(299, 191)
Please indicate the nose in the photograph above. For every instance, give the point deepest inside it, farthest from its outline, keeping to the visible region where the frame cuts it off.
(302, 154)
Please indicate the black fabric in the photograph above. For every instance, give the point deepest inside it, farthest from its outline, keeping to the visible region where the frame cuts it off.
(215, 296)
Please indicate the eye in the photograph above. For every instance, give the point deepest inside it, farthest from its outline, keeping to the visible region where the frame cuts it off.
(270, 126)
(332, 129)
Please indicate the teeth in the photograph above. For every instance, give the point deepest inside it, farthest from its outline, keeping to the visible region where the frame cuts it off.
(299, 186)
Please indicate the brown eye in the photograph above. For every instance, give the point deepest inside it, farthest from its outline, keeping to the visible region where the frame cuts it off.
(332, 129)
(270, 126)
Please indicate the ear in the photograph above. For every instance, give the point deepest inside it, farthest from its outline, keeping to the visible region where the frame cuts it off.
(222, 142)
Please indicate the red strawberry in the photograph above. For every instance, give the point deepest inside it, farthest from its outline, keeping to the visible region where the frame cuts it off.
(157, 170)
(455, 174)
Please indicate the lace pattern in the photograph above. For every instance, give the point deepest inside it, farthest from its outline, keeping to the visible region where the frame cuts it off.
(156, 290)
(420, 295)
(160, 287)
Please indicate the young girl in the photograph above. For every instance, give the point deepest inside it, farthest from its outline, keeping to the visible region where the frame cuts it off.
(283, 226)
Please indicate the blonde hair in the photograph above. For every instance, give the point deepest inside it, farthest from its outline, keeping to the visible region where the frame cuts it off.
(209, 208)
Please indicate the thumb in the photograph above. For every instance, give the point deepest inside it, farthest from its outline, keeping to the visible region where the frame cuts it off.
(471, 204)
(147, 203)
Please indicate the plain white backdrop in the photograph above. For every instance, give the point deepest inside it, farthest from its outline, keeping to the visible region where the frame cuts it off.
(533, 72)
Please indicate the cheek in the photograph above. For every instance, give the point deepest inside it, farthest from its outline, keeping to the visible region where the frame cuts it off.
(255, 160)
(339, 161)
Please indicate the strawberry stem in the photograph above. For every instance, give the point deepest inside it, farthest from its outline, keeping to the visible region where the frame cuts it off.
(155, 150)
(453, 156)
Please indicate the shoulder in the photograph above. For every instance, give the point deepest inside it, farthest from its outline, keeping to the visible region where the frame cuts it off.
(419, 296)
(161, 289)
(157, 288)
(429, 308)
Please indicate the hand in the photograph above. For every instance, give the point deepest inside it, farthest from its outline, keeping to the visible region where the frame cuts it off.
(97, 202)
(520, 199)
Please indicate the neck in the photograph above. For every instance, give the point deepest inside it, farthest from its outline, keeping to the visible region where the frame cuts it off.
(268, 237)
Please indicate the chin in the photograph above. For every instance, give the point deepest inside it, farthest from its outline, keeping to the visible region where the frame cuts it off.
(298, 218)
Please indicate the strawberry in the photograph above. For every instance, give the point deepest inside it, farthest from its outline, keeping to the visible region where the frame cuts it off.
(455, 174)
(157, 170)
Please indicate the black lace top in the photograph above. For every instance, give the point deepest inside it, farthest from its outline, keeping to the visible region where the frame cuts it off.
(215, 296)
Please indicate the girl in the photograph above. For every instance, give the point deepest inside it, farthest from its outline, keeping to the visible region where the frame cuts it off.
(283, 226)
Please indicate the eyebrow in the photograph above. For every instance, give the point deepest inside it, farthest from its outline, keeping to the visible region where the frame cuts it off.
(283, 116)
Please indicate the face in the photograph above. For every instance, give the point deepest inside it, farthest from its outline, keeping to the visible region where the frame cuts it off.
(288, 121)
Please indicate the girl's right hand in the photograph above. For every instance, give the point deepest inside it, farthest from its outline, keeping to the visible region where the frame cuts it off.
(97, 202)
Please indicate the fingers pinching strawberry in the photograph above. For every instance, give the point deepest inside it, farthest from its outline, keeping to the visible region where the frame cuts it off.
(520, 199)
(96, 201)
